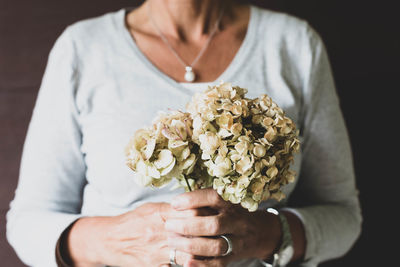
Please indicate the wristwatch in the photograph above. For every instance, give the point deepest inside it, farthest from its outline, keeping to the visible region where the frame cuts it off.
(285, 252)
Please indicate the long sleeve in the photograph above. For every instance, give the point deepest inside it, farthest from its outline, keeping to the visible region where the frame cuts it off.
(331, 211)
(52, 172)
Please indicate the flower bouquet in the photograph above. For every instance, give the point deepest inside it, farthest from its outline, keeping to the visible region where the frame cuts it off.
(241, 147)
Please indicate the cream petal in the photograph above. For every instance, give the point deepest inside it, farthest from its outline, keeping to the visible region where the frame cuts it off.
(152, 171)
(164, 159)
(168, 168)
(222, 168)
(190, 169)
(184, 154)
(177, 143)
(272, 172)
(258, 165)
(225, 196)
(243, 165)
(140, 139)
(189, 161)
(267, 121)
(270, 135)
(255, 111)
(243, 182)
(197, 122)
(230, 189)
(218, 159)
(168, 134)
(217, 182)
(224, 133)
(290, 176)
(264, 105)
(209, 142)
(259, 150)
(257, 186)
(209, 115)
(234, 199)
(205, 156)
(223, 150)
(257, 119)
(141, 167)
(148, 152)
(225, 120)
(279, 122)
(237, 109)
(235, 156)
(236, 128)
(249, 204)
(241, 147)
(269, 161)
(226, 180)
(270, 112)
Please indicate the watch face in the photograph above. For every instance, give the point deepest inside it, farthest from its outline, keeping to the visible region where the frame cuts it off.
(285, 255)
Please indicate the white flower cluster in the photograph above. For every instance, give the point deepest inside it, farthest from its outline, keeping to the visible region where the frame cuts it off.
(241, 147)
(246, 144)
(164, 151)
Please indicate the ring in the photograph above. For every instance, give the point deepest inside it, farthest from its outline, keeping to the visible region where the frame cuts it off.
(230, 246)
(172, 257)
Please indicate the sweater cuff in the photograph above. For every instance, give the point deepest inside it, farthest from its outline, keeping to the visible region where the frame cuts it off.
(310, 259)
(35, 245)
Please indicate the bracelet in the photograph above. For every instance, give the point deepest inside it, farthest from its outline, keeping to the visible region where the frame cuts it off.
(285, 252)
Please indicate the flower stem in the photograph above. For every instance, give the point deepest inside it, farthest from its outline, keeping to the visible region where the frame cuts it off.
(187, 183)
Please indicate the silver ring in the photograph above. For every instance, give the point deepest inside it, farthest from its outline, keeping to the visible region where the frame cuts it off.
(230, 246)
(172, 257)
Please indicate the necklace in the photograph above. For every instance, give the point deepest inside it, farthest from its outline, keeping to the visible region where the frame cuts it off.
(190, 76)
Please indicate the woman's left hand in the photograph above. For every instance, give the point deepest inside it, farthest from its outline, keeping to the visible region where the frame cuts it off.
(253, 234)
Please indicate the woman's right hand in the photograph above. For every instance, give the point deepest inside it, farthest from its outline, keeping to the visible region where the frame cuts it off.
(135, 238)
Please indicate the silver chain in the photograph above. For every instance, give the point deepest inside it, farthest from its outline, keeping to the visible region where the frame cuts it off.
(164, 39)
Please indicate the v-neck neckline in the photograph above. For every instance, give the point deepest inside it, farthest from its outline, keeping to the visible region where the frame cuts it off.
(227, 75)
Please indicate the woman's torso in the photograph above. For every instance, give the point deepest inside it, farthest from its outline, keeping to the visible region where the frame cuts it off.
(120, 91)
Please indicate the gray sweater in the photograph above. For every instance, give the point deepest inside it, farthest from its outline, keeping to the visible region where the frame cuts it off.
(98, 88)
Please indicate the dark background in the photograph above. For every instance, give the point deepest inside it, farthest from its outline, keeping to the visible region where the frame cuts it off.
(363, 43)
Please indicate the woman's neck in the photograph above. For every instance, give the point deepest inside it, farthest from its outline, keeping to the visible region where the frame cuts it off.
(186, 20)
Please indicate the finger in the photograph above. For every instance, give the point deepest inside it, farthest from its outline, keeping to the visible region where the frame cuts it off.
(199, 226)
(213, 262)
(197, 199)
(199, 246)
(182, 258)
(191, 213)
(170, 254)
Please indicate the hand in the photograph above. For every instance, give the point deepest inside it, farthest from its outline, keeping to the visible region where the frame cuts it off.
(135, 238)
(253, 234)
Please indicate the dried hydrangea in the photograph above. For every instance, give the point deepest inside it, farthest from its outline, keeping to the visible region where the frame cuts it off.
(246, 144)
(163, 151)
(241, 147)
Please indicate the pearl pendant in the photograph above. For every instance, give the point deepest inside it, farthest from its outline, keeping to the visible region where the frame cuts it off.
(189, 75)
